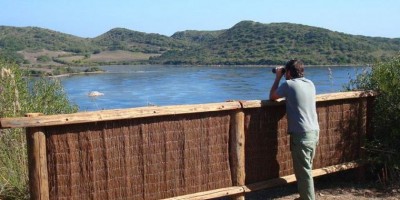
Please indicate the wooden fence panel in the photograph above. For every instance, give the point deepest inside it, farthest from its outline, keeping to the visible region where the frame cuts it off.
(145, 158)
(184, 152)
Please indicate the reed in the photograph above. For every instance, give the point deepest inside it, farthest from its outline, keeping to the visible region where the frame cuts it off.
(20, 94)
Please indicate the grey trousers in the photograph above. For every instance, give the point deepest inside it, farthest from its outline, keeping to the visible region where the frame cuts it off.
(303, 147)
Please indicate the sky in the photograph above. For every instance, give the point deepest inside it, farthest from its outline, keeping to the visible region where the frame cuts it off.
(91, 18)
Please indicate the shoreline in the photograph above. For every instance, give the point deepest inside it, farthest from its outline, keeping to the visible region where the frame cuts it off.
(78, 73)
(47, 70)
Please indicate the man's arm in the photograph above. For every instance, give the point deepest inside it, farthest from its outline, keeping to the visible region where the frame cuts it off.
(272, 93)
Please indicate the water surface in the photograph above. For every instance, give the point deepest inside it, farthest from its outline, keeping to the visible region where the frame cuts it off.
(143, 85)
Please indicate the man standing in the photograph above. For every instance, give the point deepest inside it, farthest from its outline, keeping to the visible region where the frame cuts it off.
(302, 121)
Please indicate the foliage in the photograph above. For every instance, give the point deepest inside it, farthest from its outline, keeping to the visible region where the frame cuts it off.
(20, 95)
(93, 69)
(44, 58)
(64, 70)
(245, 43)
(383, 149)
(265, 44)
(197, 36)
(124, 39)
(12, 56)
(17, 39)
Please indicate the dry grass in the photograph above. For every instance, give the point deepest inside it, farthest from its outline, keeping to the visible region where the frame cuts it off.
(32, 56)
(102, 57)
(118, 56)
(72, 58)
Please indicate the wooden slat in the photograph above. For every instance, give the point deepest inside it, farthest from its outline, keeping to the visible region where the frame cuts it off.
(231, 191)
(106, 115)
(291, 178)
(211, 194)
(319, 98)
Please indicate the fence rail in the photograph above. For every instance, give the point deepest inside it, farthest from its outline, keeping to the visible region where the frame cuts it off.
(184, 152)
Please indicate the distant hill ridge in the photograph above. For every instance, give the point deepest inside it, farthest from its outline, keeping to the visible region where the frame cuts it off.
(247, 42)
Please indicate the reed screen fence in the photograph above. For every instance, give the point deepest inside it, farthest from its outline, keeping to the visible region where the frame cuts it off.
(184, 152)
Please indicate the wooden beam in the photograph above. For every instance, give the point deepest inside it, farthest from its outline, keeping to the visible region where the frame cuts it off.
(237, 151)
(37, 161)
(291, 178)
(116, 114)
(235, 190)
(223, 192)
(319, 98)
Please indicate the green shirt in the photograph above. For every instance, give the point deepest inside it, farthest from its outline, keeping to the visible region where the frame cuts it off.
(300, 104)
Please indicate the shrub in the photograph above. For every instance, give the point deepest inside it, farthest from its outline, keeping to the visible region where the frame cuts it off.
(93, 69)
(43, 58)
(384, 147)
(20, 95)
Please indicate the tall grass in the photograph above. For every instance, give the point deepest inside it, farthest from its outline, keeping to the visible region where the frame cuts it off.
(19, 95)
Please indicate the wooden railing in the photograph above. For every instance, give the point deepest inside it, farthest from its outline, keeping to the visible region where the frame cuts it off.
(184, 152)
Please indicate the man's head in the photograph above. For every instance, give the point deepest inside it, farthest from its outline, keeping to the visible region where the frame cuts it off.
(294, 69)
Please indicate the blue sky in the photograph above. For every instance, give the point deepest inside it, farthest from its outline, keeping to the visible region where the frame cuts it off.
(90, 18)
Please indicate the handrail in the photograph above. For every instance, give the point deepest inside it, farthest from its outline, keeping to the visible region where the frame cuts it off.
(130, 113)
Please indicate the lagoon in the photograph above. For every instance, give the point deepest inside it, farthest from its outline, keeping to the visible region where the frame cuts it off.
(159, 85)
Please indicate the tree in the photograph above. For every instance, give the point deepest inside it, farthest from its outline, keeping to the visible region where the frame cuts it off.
(384, 147)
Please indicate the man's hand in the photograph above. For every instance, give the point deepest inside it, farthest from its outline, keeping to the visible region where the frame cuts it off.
(272, 93)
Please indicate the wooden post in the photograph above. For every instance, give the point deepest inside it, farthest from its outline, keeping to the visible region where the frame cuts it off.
(37, 160)
(362, 123)
(237, 153)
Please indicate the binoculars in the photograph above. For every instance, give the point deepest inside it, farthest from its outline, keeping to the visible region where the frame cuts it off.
(277, 68)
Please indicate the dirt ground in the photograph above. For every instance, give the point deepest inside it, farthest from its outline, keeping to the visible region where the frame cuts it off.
(339, 186)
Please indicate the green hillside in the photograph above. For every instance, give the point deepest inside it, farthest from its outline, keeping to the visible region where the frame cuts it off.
(125, 39)
(16, 39)
(197, 36)
(247, 42)
(255, 43)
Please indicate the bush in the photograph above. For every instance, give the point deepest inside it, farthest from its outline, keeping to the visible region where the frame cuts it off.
(20, 95)
(93, 69)
(43, 58)
(384, 147)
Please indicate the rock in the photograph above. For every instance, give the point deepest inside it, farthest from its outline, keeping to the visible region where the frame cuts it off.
(95, 94)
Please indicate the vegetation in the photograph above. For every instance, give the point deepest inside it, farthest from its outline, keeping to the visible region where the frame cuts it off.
(93, 69)
(247, 42)
(384, 147)
(134, 41)
(263, 44)
(197, 36)
(21, 95)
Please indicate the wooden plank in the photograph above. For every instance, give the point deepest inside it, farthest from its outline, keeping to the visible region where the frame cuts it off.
(345, 95)
(211, 194)
(319, 98)
(237, 152)
(106, 115)
(291, 178)
(37, 160)
(116, 114)
(235, 190)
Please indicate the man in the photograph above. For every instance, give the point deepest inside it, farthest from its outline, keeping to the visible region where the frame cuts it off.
(302, 121)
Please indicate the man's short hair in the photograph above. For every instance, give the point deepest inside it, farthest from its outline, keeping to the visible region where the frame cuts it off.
(295, 68)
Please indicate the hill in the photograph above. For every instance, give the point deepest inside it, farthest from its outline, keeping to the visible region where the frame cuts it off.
(134, 41)
(255, 43)
(16, 39)
(31, 39)
(247, 42)
(197, 36)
